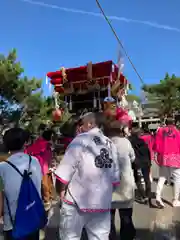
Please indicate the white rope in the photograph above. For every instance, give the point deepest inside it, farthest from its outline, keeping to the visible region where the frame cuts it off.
(55, 95)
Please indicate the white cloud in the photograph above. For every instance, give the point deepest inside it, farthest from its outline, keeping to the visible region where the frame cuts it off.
(122, 19)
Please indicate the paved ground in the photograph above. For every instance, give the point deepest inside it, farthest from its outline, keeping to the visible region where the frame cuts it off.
(151, 224)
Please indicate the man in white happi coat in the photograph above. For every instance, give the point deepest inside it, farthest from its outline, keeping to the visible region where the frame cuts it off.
(85, 179)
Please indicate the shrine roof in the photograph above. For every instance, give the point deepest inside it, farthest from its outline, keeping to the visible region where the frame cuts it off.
(101, 69)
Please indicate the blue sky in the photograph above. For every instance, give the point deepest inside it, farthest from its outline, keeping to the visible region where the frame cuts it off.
(50, 36)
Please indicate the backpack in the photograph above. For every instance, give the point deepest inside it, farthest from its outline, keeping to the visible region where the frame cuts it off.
(30, 213)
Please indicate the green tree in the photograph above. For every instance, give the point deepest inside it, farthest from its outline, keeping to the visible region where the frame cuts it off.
(132, 97)
(21, 98)
(165, 95)
(15, 87)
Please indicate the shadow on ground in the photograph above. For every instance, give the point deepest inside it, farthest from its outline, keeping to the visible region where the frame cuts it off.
(52, 231)
(142, 234)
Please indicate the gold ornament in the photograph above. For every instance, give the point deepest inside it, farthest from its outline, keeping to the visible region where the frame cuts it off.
(64, 75)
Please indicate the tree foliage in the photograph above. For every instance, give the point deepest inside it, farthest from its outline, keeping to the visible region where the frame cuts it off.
(166, 93)
(21, 98)
(132, 97)
(15, 87)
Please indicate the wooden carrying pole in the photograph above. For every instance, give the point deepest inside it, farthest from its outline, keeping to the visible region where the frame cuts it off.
(89, 71)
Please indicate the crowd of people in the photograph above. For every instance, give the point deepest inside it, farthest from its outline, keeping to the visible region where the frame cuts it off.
(97, 176)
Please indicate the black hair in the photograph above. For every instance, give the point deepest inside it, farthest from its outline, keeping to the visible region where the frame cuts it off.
(145, 130)
(136, 131)
(14, 139)
(27, 135)
(135, 125)
(170, 121)
(47, 134)
(42, 127)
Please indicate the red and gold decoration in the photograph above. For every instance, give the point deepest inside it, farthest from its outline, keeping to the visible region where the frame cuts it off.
(81, 78)
(94, 78)
(57, 115)
(64, 75)
(59, 79)
(57, 112)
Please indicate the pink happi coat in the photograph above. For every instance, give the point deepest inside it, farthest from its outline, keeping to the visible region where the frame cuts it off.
(41, 149)
(149, 140)
(167, 146)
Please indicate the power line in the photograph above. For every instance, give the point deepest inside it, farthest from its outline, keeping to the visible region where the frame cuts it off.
(119, 41)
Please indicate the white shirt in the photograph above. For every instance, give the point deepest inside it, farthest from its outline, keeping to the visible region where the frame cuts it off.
(12, 182)
(90, 169)
(123, 197)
